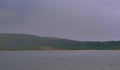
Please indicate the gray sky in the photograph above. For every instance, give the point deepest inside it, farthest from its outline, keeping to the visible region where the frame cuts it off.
(82, 20)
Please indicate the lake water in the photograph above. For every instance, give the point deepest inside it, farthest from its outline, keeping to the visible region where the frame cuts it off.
(60, 60)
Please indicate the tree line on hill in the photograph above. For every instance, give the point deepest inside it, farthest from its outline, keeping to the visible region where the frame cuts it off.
(31, 42)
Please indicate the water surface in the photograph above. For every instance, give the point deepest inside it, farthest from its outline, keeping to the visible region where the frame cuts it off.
(60, 60)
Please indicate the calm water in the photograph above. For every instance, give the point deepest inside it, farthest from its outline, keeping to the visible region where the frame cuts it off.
(60, 60)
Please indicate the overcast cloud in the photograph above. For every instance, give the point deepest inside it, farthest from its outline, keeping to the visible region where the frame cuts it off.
(72, 19)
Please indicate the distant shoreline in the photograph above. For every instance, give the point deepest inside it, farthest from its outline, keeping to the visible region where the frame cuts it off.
(55, 50)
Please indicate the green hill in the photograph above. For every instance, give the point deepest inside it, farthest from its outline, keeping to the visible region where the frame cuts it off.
(31, 42)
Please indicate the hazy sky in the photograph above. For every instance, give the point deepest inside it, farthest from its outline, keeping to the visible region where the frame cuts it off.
(72, 19)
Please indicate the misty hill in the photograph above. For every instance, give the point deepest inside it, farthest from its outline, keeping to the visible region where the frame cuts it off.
(32, 42)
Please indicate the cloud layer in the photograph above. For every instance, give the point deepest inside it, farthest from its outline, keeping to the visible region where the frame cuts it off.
(72, 19)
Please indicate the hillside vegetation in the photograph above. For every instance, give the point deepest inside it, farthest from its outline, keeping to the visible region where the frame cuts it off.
(32, 42)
